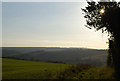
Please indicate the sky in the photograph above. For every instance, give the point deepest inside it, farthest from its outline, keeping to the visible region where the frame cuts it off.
(48, 24)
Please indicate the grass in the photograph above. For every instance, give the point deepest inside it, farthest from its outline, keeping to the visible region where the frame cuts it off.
(20, 69)
(84, 71)
(98, 73)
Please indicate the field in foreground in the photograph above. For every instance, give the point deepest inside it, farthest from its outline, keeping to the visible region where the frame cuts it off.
(20, 69)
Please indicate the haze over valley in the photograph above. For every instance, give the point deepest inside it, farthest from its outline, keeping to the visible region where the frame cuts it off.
(58, 55)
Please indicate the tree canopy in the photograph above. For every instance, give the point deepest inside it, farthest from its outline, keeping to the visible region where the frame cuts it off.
(103, 15)
(106, 16)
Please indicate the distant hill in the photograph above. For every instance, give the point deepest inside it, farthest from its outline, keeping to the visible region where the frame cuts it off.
(64, 55)
(30, 49)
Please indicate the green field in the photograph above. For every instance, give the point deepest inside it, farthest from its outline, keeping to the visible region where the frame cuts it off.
(20, 69)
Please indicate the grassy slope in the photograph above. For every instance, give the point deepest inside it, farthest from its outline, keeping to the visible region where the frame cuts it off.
(98, 73)
(19, 69)
(91, 73)
(87, 72)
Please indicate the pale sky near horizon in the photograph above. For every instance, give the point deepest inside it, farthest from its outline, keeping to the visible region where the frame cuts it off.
(48, 24)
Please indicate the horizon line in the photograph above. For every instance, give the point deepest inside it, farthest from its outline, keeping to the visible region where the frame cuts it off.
(58, 47)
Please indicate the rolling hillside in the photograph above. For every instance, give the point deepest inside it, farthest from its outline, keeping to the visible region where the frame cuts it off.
(19, 69)
(64, 55)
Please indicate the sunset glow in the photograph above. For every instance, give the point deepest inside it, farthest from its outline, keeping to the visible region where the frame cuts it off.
(102, 11)
(47, 25)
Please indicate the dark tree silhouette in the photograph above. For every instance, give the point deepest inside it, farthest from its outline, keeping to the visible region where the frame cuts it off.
(109, 59)
(106, 16)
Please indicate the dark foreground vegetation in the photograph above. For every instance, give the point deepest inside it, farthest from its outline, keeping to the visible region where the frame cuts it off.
(20, 69)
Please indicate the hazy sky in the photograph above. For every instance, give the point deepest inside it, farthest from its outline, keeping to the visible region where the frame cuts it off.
(46, 24)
